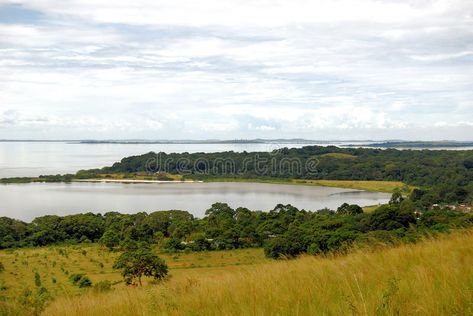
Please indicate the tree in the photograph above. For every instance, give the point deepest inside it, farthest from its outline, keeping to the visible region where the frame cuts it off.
(110, 239)
(390, 217)
(348, 209)
(174, 244)
(220, 217)
(468, 164)
(396, 198)
(140, 262)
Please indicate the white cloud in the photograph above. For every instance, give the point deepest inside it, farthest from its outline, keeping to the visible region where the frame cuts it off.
(234, 14)
(441, 57)
(211, 68)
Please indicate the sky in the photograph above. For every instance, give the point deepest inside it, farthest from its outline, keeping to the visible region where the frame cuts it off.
(226, 69)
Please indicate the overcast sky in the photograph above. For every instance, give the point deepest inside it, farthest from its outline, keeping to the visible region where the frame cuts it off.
(354, 69)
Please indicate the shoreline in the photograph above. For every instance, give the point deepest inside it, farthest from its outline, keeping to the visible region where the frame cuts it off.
(135, 181)
(363, 185)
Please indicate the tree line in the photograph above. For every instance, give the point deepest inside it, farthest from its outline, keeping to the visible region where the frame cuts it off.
(282, 231)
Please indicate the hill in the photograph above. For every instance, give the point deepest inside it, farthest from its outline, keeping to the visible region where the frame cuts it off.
(433, 277)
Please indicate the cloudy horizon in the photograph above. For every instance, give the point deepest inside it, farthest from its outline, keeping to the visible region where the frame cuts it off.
(325, 70)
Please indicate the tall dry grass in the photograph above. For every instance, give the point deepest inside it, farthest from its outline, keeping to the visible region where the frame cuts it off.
(434, 277)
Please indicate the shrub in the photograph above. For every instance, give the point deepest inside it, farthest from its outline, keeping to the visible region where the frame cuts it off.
(81, 280)
(103, 286)
(75, 278)
(85, 282)
(37, 279)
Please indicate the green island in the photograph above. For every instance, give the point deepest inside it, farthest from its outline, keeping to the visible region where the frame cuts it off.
(411, 254)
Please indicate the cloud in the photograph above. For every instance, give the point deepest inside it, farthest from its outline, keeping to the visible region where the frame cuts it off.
(264, 128)
(234, 14)
(238, 69)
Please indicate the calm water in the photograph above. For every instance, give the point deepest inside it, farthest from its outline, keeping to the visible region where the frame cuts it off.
(26, 201)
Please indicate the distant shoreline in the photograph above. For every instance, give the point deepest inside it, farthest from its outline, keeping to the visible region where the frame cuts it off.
(380, 144)
(136, 181)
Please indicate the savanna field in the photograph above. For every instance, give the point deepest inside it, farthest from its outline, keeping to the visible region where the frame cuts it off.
(432, 277)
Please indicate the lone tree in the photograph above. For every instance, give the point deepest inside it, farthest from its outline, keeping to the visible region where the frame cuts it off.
(140, 262)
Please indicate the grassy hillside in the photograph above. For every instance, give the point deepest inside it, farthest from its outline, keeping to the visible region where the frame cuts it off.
(434, 277)
(56, 264)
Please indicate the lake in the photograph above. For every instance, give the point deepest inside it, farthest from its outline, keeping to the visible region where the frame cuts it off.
(26, 201)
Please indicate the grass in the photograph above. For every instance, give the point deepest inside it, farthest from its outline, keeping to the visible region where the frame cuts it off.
(339, 156)
(56, 264)
(376, 186)
(434, 277)
(370, 208)
(139, 176)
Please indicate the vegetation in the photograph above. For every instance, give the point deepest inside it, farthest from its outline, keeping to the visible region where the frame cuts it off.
(284, 231)
(411, 166)
(377, 186)
(47, 178)
(140, 262)
(81, 280)
(433, 277)
(422, 144)
(56, 264)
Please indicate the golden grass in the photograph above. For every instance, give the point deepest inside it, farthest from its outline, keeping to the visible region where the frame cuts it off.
(339, 156)
(377, 186)
(434, 277)
(59, 263)
(137, 176)
(370, 208)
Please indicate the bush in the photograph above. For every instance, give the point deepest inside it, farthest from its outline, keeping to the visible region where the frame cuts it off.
(314, 249)
(85, 282)
(75, 278)
(174, 244)
(37, 279)
(103, 286)
(81, 280)
(276, 248)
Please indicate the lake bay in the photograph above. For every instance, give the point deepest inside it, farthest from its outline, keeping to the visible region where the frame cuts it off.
(26, 201)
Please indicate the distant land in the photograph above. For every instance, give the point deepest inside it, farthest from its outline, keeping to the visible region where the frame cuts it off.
(196, 141)
(419, 144)
(342, 143)
(226, 141)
